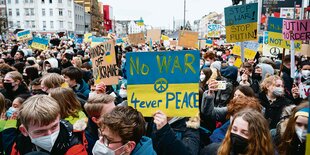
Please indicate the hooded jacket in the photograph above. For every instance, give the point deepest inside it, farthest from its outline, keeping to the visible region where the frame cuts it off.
(145, 146)
(83, 89)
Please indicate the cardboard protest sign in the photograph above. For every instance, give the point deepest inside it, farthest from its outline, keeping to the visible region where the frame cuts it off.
(39, 43)
(154, 82)
(104, 64)
(214, 30)
(188, 39)
(241, 23)
(275, 37)
(87, 37)
(153, 34)
(24, 35)
(305, 50)
(97, 40)
(250, 49)
(202, 44)
(296, 29)
(136, 39)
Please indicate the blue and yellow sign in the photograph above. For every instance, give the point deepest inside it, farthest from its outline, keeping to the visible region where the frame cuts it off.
(39, 43)
(167, 81)
(275, 37)
(24, 35)
(241, 23)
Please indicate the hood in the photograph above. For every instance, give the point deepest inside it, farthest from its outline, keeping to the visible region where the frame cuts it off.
(216, 65)
(53, 62)
(266, 69)
(230, 72)
(145, 146)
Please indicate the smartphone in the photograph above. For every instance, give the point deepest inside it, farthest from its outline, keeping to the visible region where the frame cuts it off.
(221, 85)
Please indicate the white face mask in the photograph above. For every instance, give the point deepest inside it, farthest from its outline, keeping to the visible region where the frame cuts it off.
(230, 64)
(101, 149)
(46, 142)
(123, 93)
(305, 74)
(202, 77)
(301, 134)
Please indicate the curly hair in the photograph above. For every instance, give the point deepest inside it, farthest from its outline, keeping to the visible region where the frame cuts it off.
(237, 104)
(268, 82)
(260, 141)
(126, 122)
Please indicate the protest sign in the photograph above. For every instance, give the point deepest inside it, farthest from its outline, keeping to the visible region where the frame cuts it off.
(250, 49)
(87, 37)
(153, 34)
(275, 37)
(209, 42)
(104, 64)
(305, 50)
(24, 35)
(188, 39)
(97, 40)
(296, 29)
(39, 43)
(154, 82)
(238, 63)
(214, 30)
(202, 44)
(271, 51)
(136, 39)
(241, 23)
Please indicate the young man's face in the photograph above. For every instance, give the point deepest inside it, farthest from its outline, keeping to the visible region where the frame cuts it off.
(112, 141)
(70, 82)
(35, 131)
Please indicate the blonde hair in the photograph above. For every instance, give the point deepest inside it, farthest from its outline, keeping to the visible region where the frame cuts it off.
(15, 75)
(259, 139)
(95, 103)
(77, 61)
(68, 102)
(40, 110)
(52, 80)
(268, 82)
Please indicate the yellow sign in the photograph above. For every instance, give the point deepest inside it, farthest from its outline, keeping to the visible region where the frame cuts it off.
(163, 37)
(248, 53)
(238, 63)
(39, 46)
(276, 39)
(87, 37)
(241, 32)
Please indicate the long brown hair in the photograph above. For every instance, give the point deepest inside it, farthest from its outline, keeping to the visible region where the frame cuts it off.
(260, 142)
(289, 132)
(68, 102)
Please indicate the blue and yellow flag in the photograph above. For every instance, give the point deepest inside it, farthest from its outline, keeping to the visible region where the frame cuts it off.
(166, 81)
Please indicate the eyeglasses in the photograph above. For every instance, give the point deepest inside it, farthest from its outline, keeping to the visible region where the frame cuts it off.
(107, 142)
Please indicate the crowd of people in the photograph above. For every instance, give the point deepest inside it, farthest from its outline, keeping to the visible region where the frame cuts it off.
(50, 104)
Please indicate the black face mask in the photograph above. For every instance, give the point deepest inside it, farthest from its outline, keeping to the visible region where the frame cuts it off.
(8, 86)
(238, 144)
(257, 76)
(36, 92)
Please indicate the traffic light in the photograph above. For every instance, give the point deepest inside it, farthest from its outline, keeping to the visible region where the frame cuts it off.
(235, 2)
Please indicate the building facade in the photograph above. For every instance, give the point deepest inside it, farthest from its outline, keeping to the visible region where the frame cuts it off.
(82, 19)
(42, 16)
(3, 17)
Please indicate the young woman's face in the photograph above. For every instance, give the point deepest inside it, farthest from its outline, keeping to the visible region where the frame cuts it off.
(240, 127)
(302, 122)
(238, 93)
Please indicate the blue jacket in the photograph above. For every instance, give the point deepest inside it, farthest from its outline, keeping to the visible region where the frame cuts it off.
(219, 134)
(83, 89)
(144, 147)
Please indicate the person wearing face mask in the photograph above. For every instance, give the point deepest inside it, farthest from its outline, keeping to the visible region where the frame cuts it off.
(242, 136)
(273, 100)
(14, 86)
(304, 83)
(209, 58)
(121, 132)
(293, 141)
(205, 75)
(42, 129)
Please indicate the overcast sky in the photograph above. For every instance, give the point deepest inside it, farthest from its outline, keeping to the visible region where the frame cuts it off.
(160, 13)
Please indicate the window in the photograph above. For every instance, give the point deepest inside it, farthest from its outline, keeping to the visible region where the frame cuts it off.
(59, 1)
(17, 12)
(69, 14)
(51, 12)
(10, 12)
(43, 1)
(43, 12)
(70, 25)
(52, 24)
(27, 24)
(26, 1)
(16, 1)
(9, 2)
(31, 1)
(61, 24)
(60, 12)
(33, 25)
(32, 11)
(44, 24)
(18, 24)
(69, 2)
(11, 23)
(51, 1)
